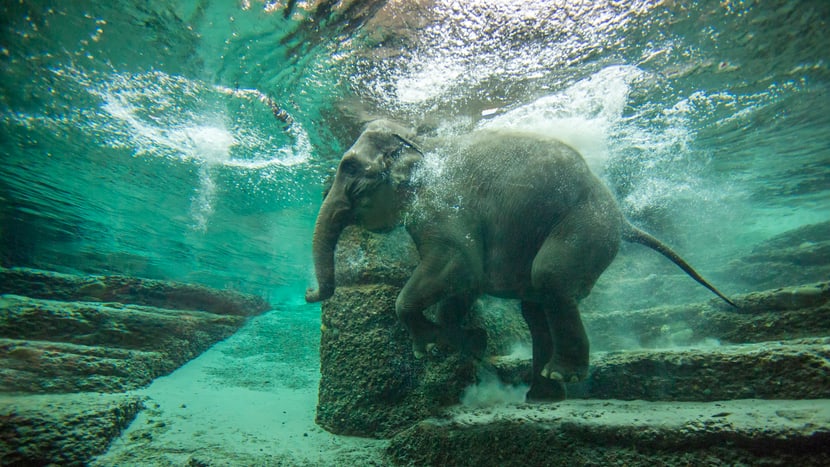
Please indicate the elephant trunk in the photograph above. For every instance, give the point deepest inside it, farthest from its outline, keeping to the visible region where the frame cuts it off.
(331, 221)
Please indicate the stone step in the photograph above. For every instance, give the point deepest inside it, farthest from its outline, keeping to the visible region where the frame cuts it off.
(54, 346)
(797, 256)
(66, 346)
(112, 324)
(378, 396)
(71, 335)
(610, 432)
(783, 313)
(49, 367)
(36, 283)
(794, 369)
(61, 429)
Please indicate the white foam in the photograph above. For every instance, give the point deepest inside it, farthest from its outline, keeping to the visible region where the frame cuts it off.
(429, 78)
(209, 143)
(581, 115)
(168, 116)
(202, 202)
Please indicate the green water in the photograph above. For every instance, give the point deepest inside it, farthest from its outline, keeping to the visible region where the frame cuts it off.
(136, 139)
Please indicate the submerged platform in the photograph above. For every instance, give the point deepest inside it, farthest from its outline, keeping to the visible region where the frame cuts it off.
(614, 432)
(71, 368)
(72, 347)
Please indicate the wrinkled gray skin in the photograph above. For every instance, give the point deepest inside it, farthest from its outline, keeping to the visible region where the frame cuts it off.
(513, 214)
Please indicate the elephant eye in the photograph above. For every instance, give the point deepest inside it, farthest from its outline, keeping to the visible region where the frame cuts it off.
(351, 167)
(397, 151)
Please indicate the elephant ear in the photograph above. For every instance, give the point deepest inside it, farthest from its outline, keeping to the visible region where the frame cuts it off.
(402, 166)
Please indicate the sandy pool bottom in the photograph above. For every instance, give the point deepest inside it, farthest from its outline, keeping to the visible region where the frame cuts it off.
(243, 402)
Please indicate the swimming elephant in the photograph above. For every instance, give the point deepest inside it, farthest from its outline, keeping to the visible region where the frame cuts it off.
(501, 212)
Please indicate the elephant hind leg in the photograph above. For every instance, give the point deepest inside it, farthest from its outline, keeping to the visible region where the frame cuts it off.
(570, 359)
(564, 270)
(542, 389)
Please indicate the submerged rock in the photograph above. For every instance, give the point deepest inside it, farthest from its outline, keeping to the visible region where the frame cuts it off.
(63, 337)
(608, 432)
(364, 257)
(782, 313)
(50, 285)
(57, 367)
(795, 257)
(61, 429)
(54, 346)
(371, 383)
(795, 369)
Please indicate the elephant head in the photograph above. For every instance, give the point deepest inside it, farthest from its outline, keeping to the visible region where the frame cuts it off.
(368, 189)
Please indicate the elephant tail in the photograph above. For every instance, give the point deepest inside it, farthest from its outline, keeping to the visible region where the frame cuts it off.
(635, 235)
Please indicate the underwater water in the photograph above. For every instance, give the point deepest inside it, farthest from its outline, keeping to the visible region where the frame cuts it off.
(704, 118)
(191, 141)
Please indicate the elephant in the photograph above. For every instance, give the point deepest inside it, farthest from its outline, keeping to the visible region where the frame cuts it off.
(507, 213)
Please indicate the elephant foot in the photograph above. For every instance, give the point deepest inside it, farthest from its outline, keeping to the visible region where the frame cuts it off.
(424, 334)
(425, 342)
(546, 390)
(420, 352)
(555, 371)
(436, 341)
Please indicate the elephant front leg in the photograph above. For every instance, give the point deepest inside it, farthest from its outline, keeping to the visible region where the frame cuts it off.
(435, 278)
(451, 313)
(423, 332)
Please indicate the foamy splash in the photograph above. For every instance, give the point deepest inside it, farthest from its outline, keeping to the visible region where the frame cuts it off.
(170, 116)
(590, 116)
(582, 115)
(159, 115)
(211, 144)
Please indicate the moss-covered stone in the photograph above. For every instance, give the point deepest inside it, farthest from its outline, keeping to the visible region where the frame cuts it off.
(363, 257)
(61, 429)
(112, 324)
(54, 367)
(50, 285)
(741, 432)
(782, 313)
(798, 256)
(54, 346)
(371, 384)
(771, 370)
(77, 334)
